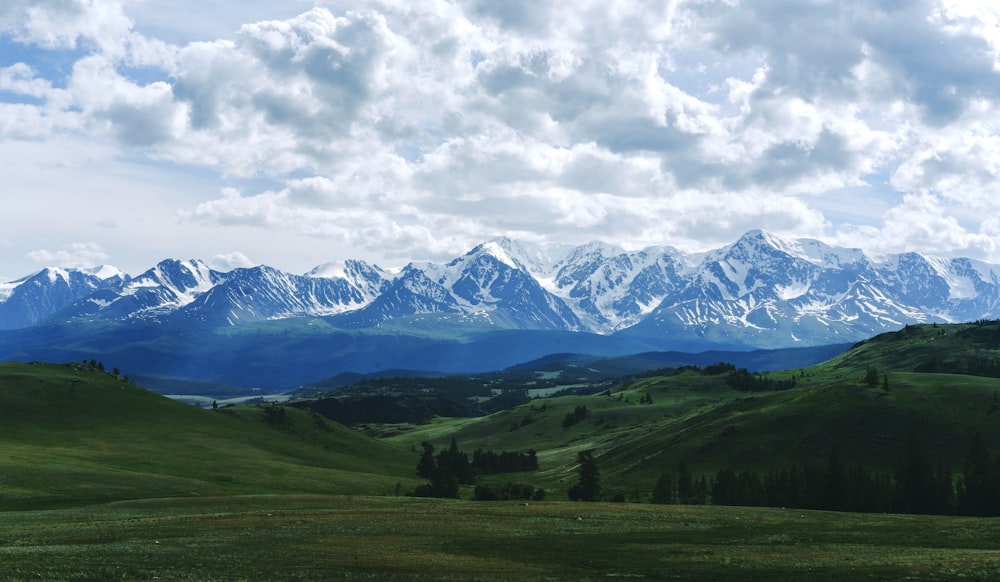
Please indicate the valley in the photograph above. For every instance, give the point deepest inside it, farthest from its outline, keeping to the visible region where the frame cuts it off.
(121, 482)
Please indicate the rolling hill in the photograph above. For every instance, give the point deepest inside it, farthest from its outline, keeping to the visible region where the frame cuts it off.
(73, 435)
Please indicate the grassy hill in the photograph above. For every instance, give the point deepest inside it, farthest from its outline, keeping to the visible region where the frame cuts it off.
(701, 420)
(71, 434)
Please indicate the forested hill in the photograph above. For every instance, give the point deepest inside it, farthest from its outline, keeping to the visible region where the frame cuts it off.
(869, 430)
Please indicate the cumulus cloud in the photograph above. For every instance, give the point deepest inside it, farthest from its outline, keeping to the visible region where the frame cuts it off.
(229, 261)
(74, 255)
(421, 128)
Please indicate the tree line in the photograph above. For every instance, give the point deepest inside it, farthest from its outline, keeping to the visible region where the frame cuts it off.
(915, 485)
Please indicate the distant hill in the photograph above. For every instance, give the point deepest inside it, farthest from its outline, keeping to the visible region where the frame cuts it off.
(408, 395)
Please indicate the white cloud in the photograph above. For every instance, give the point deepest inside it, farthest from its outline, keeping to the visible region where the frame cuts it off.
(418, 129)
(229, 261)
(77, 255)
(63, 23)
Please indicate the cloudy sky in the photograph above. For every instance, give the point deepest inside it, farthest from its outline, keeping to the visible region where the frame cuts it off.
(295, 133)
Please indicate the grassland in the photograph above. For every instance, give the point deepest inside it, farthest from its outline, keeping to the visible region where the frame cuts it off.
(366, 538)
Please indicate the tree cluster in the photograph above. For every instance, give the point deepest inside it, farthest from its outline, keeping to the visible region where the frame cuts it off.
(492, 462)
(450, 468)
(680, 487)
(716, 369)
(579, 413)
(745, 381)
(274, 414)
(510, 491)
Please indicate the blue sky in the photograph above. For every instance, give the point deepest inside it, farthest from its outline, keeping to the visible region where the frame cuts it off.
(298, 133)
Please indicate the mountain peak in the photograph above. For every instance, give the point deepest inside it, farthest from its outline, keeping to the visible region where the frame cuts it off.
(807, 249)
(54, 274)
(104, 272)
(496, 250)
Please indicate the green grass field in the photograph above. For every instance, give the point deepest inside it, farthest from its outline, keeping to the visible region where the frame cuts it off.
(370, 538)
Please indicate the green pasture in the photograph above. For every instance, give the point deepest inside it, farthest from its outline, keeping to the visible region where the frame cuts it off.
(371, 538)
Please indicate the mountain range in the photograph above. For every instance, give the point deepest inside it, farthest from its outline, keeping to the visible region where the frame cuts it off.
(760, 292)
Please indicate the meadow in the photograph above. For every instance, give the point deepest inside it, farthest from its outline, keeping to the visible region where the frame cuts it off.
(288, 537)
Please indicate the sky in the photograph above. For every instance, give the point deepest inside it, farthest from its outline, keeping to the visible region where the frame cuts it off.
(298, 133)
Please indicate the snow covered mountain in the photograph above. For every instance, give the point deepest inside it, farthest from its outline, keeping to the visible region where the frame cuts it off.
(764, 291)
(760, 291)
(36, 298)
(262, 293)
(487, 283)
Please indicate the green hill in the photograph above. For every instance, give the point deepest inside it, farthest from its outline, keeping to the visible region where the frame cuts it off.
(70, 434)
(701, 420)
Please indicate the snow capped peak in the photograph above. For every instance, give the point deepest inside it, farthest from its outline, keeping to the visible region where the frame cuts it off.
(592, 251)
(104, 272)
(807, 249)
(758, 291)
(174, 283)
(498, 252)
(539, 259)
(55, 273)
(331, 270)
(756, 241)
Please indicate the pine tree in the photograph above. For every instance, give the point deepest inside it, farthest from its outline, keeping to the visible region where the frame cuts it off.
(686, 494)
(663, 491)
(913, 479)
(977, 495)
(427, 464)
(588, 488)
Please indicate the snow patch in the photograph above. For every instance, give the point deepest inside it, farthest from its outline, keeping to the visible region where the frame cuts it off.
(6, 290)
(792, 291)
(959, 286)
(55, 273)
